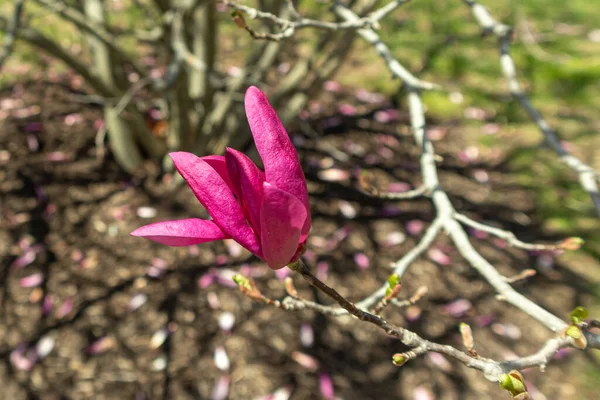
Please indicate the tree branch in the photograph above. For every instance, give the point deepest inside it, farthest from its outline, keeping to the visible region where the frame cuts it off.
(588, 178)
(11, 32)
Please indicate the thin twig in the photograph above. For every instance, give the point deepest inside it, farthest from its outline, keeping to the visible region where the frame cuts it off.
(11, 32)
(493, 370)
(510, 237)
(588, 177)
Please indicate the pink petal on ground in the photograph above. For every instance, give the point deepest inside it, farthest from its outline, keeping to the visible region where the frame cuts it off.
(334, 175)
(308, 362)
(369, 97)
(57, 156)
(101, 345)
(490, 129)
(398, 187)
(33, 143)
(221, 359)
(206, 280)
(282, 167)
(458, 308)
(326, 386)
(32, 280)
(347, 109)
(184, 232)
(437, 255)
(225, 277)
(413, 313)
(19, 360)
(283, 273)
(65, 308)
(332, 86)
(44, 347)
(247, 179)
(436, 133)
(146, 212)
(159, 337)
(475, 113)
(47, 305)
(73, 119)
(385, 116)
(322, 270)
(233, 248)
(281, 219)
(394, 238)
(137, 301)
(361, 260)
(226, 321)
(508, 330)
(221, 389)
(440, 361)
(307, 335)
(415, 227)
(27, 258)
(421, 393)
(214, 194)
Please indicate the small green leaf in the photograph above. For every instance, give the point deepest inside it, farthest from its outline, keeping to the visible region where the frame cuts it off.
(241, 281)
(574, 332)
(393, 280)
(579, 314)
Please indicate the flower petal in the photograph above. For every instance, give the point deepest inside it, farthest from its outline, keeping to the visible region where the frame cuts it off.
(282, 167)
(282, 218)
(218, 164)
(214, 194)
(184, 232)
(248, 180)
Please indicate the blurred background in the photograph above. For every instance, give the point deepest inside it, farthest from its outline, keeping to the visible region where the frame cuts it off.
(93, 94)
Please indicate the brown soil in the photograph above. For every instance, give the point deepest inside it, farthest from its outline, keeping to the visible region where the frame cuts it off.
(74, 213)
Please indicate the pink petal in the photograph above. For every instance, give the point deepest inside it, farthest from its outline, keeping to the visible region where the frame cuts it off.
(282, 218)
(282, 167)
(247, 180)
(212, 192)
(219, 165)
(221, 389)
(184, 232)
(362, 260)
(326, 386)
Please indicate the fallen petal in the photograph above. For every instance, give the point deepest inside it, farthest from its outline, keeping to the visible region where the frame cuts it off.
(308, 362)
(326, 386)
(27, 258)
(137, 301)
(221, 359)
(221, 389)
(44, 346)
(362, 260)
(226, 321)
(32, 280)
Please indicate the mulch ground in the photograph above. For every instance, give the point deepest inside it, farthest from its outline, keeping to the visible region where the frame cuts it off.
(86, 311)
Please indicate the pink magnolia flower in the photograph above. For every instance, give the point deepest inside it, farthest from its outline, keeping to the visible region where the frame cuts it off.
(266, 212)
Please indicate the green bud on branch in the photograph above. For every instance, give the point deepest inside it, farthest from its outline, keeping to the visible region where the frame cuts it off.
(513, 382)
(399, 359)
(579, 314)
